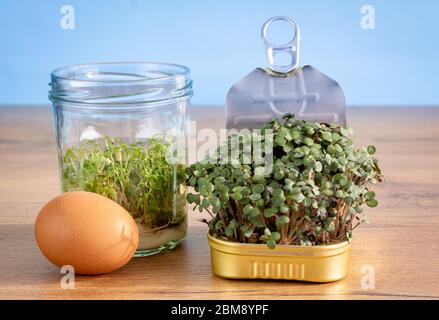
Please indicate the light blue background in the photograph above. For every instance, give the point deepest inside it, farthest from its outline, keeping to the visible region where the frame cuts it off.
(395, 64)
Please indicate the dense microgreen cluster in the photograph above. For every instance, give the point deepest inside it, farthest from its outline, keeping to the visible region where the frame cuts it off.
(135, 175)
(314, 194)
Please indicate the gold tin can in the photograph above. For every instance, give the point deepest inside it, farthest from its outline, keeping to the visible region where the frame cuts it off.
(323, 263)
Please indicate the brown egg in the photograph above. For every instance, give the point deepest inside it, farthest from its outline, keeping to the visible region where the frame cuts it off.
(90, 232)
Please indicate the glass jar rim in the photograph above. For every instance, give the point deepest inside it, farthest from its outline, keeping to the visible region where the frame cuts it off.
(57, 73)
(119, 83)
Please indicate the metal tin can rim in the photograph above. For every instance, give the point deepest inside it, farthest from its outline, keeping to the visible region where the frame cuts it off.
(280, 250)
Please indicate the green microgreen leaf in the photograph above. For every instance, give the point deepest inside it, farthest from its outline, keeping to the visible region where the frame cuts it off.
(372, 203)
(371, 149)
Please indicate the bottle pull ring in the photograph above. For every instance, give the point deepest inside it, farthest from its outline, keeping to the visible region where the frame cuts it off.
(291, 48)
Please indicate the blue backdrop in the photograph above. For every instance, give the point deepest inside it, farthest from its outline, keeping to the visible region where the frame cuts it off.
(393, 64)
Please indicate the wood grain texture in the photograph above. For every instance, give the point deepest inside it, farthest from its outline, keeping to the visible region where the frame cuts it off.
(401, 244)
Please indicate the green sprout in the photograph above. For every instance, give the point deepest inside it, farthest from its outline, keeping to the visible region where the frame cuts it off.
(137, 175)
(314, 194)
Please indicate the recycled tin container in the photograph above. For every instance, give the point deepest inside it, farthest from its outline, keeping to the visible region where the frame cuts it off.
(121, 130)
(323, 263)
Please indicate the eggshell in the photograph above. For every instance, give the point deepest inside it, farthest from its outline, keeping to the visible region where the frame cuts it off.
(90, 232)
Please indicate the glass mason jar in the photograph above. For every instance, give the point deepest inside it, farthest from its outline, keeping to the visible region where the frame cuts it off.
(121, 130)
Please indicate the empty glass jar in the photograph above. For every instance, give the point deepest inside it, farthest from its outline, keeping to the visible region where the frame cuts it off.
(121, 130)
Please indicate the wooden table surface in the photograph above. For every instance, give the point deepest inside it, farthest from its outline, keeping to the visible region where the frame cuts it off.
(401, 245)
